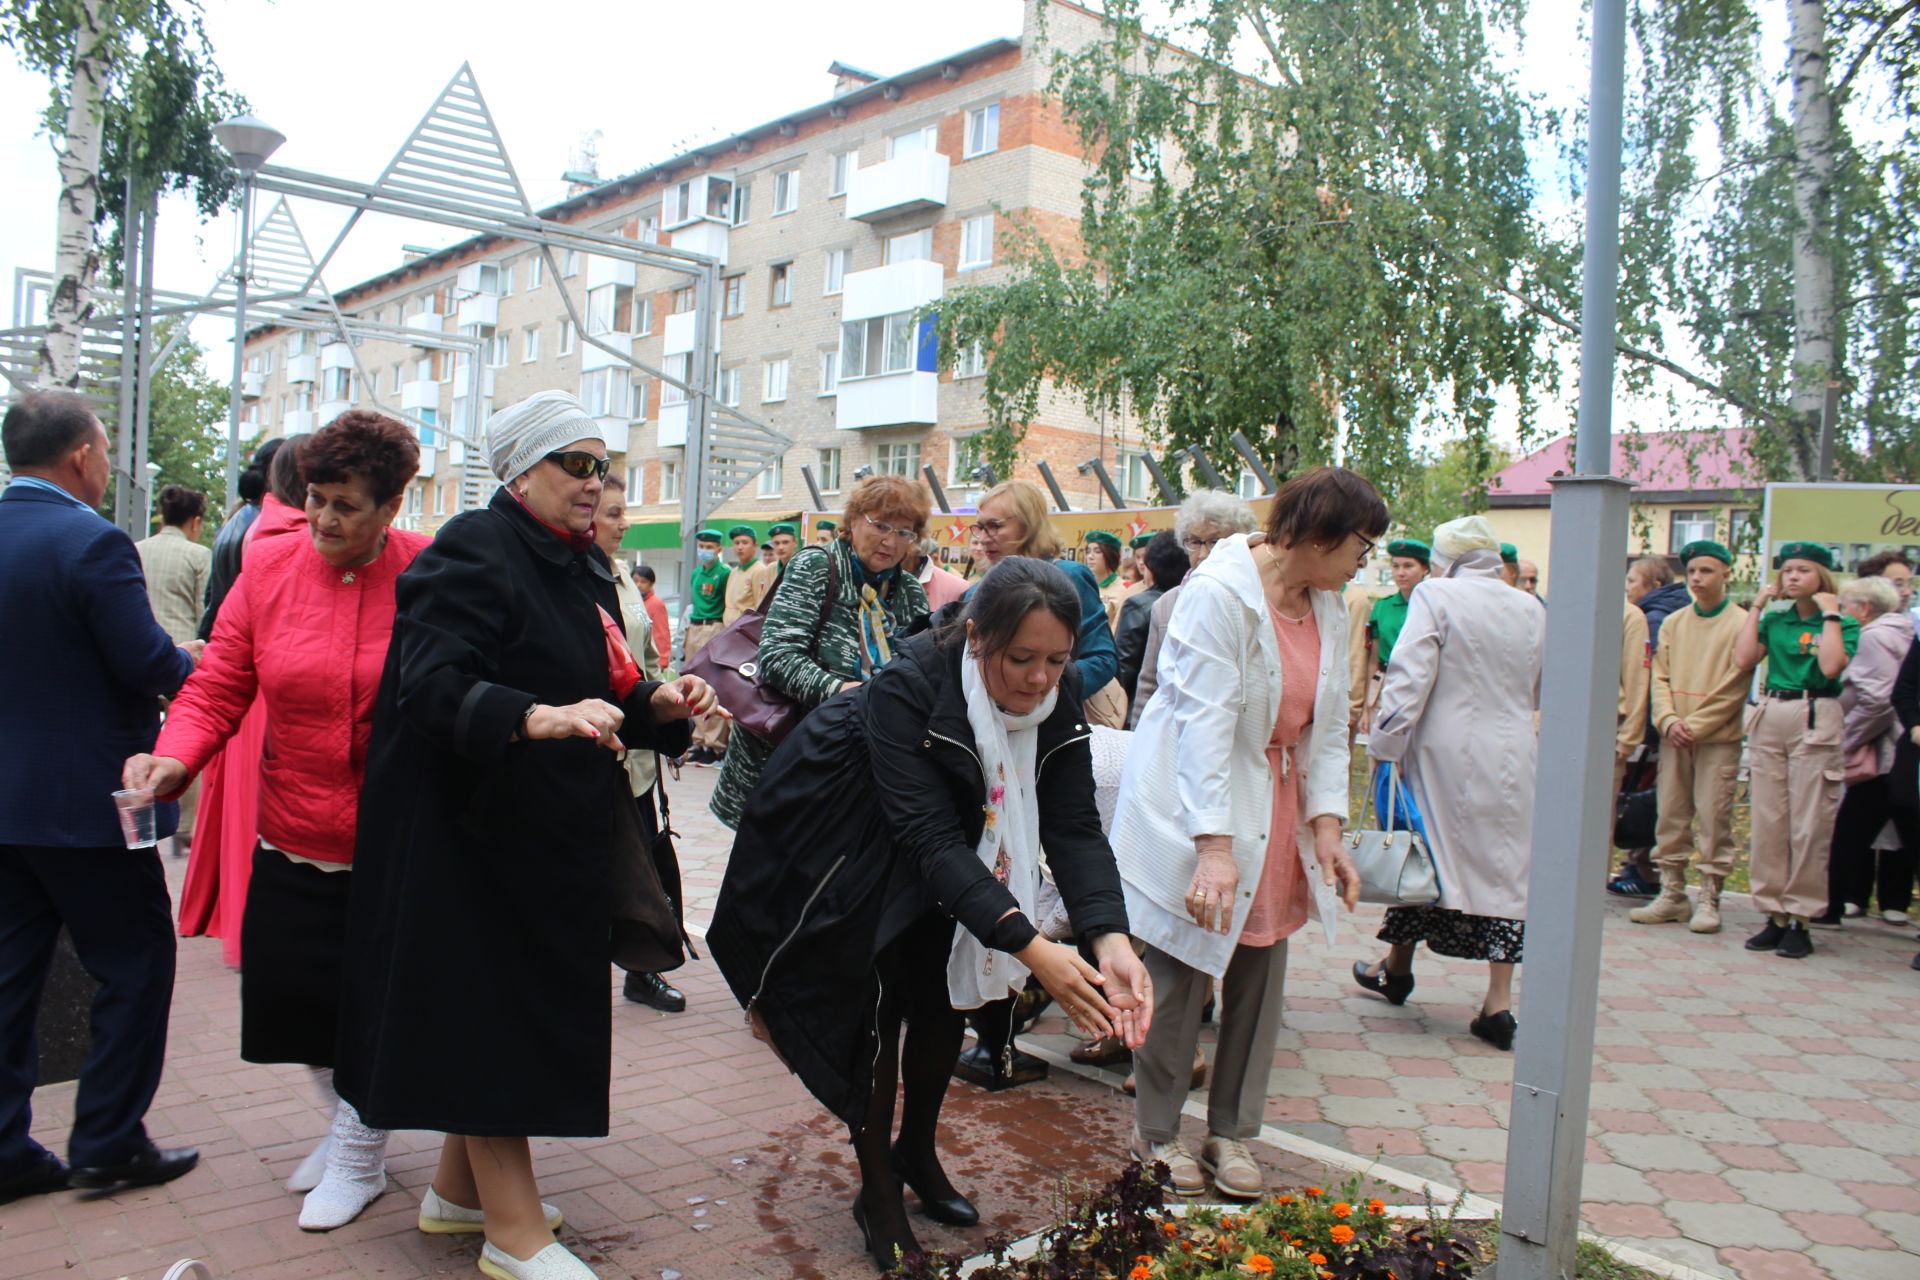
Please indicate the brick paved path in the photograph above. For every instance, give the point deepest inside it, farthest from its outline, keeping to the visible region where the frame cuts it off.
(1753, 1118)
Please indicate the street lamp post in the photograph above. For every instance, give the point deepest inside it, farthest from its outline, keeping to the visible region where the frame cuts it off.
(249, 140)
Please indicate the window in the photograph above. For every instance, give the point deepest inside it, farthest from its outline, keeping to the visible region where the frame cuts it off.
(414, 492)
(829, 373)
(399, 378)
(609, 309)
(683, 300)
(771, 477)
(720, 199)
(373, 385)
(976, 242)
(968, 453)
(843, 165)
(1135, 479)
(881, 345)
(570, 263)
(774, 382)
(643, 313)
(786, 191)
(299, 344)
(336, 384)
(439, 500)
(566, 338)
(428, 418)
(898, 459)
(1743, 531)
(669, 481)
(487, 279)
(780, 284)
(607, 393)
(925, 138)
(1689, 526)
(530, 343)
(536, 271)
(679, 203)
(640, 399)
(496, 349)
(650, 229)
(838, 263)
(742, 202)
(733, 296)
(636, 485)
(730, 387)
(681, 367)
(912, 246)
(829, 470)
(983, 130)
(972, 362)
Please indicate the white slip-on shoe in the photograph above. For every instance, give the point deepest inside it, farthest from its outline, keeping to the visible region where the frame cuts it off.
(440, 1216)
(551, 1263)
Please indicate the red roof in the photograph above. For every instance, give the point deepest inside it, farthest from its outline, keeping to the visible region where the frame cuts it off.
(1657, 462)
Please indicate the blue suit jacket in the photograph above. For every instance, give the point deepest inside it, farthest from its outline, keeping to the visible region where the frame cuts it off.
(83, 669)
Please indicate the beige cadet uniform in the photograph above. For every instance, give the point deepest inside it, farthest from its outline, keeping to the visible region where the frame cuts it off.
(746, 584)
(1634, 677)
(1695, 679)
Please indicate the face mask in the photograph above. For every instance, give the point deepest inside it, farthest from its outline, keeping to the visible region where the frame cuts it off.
(707, 555)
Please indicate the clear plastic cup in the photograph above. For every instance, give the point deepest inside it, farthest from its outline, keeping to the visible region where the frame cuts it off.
(136, 817)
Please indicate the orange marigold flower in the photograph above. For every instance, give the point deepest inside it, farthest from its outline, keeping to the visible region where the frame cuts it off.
(1315, 1191)
(1143, 1258)
(1342, 1234)
(1139, 1273)
(1285, 1200)
(1170, 1228)
(1342, 1210)
(1317, 1259)
(1326, 1275)
(1260, 1264)
(1376, 1206)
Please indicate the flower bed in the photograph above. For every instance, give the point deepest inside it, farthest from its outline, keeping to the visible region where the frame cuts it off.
(1127, 1231)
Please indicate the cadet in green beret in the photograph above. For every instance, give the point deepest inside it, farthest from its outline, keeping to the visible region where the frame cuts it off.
(1510, 565)
(1793, 748)
(786, 540)
(1102, 555)
(824, 531)
(1412, 559)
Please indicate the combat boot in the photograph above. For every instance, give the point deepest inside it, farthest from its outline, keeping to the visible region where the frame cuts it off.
(1672, 906)
(1706, 915)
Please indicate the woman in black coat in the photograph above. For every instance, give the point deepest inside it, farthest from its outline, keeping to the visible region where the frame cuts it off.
(495, 820)
(863, 845)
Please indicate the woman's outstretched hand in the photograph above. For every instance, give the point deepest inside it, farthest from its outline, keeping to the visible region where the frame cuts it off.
(1073, 983)
(163, 773)
(1130, 990)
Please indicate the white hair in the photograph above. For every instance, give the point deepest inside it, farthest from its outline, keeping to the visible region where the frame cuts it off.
(1878, 594)
(1211, 506)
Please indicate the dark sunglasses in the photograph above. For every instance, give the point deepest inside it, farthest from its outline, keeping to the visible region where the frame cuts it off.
(580, 464)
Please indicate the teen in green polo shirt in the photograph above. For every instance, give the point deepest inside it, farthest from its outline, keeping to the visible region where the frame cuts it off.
(1373, 643)
(1793, 742)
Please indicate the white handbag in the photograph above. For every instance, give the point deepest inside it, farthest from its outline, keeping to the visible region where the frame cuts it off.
(1395, 868)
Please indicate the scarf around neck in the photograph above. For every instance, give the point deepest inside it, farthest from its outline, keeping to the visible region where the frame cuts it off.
(576, 542)
(1009, 847)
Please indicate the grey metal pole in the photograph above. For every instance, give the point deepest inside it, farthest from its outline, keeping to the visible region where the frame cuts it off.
(1208, 476)
(1046, 473)
(1107, 486)
(939, 494)
(143, 392)
(1169, 496)
(239, 344)
(130, 370)
(1244, 447)
(813, 486)
(1553, 1063)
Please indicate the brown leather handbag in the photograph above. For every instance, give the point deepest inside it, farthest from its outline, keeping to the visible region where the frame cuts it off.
(730, 664)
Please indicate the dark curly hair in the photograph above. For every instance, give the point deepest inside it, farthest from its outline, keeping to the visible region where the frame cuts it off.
(362, 445)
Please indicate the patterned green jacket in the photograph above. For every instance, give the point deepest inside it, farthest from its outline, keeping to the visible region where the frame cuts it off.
(793, 664)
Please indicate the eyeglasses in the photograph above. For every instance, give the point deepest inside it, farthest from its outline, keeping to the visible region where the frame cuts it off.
(1368, 543)
(1192, 543)
(986, 528)
(1531, 580)
(580, 464)
(888, 531)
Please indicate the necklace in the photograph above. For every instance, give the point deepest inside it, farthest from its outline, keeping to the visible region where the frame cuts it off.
(1278, 612)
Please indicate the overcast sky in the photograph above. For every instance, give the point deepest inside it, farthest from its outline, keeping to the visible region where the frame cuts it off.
(346, 82)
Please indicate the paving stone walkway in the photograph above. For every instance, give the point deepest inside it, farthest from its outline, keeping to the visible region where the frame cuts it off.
(1753, 1118)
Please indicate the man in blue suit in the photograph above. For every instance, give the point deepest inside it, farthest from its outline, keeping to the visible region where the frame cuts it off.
(85, 667)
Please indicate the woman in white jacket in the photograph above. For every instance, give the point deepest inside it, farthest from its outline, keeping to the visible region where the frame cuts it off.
(1456, 713)
(1250, 725)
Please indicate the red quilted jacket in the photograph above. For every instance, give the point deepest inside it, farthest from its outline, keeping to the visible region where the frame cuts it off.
(311, 640)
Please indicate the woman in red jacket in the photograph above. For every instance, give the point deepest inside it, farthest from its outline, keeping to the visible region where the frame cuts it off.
(306, 628)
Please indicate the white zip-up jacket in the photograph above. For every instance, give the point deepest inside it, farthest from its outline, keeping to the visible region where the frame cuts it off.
(1198, 765)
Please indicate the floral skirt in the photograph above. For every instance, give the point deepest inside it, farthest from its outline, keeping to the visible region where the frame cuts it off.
(1455, 933)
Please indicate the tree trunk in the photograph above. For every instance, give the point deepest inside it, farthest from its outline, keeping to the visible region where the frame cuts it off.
(1815, 360)
(76, 261)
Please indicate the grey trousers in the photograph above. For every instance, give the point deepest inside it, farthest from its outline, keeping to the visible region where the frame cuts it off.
(1248, 1015)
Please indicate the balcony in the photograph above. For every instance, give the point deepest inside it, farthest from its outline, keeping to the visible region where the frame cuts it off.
(480, 309)
(885, 291)
(890, 400)
(421, 393)
(680, 331)
(336, 355)
(299, 422)
(906, 184)
(429, 462)
(592, 357)
(673, 425)
(302, 368)
(252, 383)
(328, 410)
(603, 271)
(425, 322)
(709, 238)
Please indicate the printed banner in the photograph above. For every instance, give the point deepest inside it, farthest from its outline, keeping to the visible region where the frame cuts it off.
(1853, 521)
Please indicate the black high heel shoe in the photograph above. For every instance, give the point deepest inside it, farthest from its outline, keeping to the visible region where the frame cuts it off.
(886, 1254)
(1395, 987)
(1497, 1029)
(953, 1208)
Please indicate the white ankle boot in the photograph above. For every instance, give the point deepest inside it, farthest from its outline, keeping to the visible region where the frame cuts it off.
(314, 1167)
(551, 1263)
(356, 1173)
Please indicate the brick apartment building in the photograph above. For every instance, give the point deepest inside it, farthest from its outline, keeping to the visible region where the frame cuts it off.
(835, 224)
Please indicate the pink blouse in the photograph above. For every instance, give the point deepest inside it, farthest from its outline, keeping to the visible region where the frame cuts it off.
(1280, 902)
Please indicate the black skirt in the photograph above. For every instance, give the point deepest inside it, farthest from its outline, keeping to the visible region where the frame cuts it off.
(292, 938)
(1455, 933)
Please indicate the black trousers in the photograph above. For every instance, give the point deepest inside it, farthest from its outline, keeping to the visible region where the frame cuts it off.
(115, 906)
(1856, 869)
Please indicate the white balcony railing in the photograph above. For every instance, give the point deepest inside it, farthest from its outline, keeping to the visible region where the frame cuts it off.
(905, 184)
(891, 400)
(302, 369)
(480, 308)
(673, 425)
(885, 291)
(252, 383)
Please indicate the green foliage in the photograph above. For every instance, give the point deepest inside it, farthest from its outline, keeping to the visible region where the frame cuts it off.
(1447, 482)
(1322, 246)
(187, 432)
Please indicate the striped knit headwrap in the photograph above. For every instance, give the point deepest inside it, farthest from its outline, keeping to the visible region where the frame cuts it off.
(521, 434)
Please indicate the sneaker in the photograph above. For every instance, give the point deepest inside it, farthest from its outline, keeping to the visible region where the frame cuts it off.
(1768, 938)
(1235, 1172)
(1181, 1166)
(1855, 909)
(1628, 884)
(1794, 943)
(1894, 917)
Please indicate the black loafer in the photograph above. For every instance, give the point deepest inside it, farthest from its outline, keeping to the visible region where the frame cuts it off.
(149, 1168)
(1395, 987)
(953, 1208)
(49, 1173)
(978, 1067)
(654, 991)
(1497, 1029)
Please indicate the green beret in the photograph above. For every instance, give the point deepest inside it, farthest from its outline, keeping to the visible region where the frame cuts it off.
(708, 535)
(1141, 541)
(1412, 549)
(743, 531)
(825, 524)
(1509, 553)
(787, 529)
(1104, 538)
(1806, 551)
(1707, 547)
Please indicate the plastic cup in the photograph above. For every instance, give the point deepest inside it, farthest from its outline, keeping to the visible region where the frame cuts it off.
(136, 817)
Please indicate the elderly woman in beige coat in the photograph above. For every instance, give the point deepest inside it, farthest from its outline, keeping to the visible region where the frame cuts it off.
(1456, 714)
